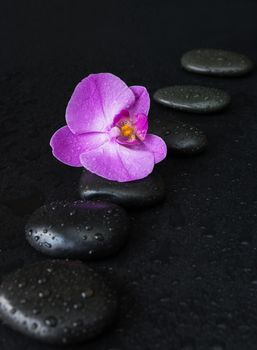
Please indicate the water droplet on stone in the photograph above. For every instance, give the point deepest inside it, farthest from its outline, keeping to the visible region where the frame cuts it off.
(51, 321)
(87, 293)
(99, 237)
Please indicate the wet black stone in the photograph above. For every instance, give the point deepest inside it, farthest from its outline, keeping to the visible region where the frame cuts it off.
(80, 229)
(193, 98)
(134, 194)
(57, 302)
(216, 62)
(181, 138)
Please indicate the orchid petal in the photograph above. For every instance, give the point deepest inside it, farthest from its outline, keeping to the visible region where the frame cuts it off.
(118, 163)
(142, 101)
(157, 146)
(95, 101)
(141, 125)
(67, 147)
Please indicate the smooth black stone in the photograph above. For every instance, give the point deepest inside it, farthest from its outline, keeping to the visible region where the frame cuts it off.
(181, 138)
(216, 62)
(80, 229)
(193, 98)
(134, 194)
(57, 302)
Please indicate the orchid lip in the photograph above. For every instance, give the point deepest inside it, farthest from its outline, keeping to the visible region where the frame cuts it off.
(132, 128)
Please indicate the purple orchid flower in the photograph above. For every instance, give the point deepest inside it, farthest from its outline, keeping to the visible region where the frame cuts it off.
(106, 130)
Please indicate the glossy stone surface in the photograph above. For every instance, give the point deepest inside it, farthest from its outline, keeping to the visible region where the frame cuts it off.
(193, 98)
(134, 194)
(59, 302)
(181, 138)
(80, 229)
(216, 62)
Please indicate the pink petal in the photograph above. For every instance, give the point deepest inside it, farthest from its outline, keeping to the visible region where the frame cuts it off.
(95, 101)
(118, 163)
(67, 147)
(157, 146)
(141, 124)
(142, 102)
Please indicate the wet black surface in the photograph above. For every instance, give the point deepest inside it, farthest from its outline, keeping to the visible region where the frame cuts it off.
(193, 98)
(182, 139)
(216, 62)
(187, 279)
(85, 230)
(141, 194)
(57, 301)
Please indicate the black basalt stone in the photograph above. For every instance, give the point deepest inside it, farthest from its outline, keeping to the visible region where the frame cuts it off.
(59, 302)
(134, 194)
(181, 139)
(80, 229)
(216, 62)
(193, 98)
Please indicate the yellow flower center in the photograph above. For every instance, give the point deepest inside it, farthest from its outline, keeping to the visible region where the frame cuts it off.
(127, 130)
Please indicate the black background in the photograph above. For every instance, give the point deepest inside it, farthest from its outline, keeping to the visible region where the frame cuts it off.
(187, 278)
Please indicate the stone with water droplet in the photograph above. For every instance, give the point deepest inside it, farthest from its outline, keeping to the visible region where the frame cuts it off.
(89, 233)
(193, 98)
(216, 62)
(181, 138)
(70, 285)
(141, 193)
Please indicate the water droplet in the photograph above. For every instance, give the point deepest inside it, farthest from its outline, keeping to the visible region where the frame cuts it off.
(21, 284)
(44, 294)
(77, 323)
(36, 311)
(41, 281)
(99, 237)
(47, 245)
(87, 293)
(51, 321)
(77, 306)
(13, 310)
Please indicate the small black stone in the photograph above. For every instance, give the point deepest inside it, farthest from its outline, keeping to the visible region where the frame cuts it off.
(193, 98)
(216, 62)
(134, 194)
(80, 229)
(181, 138)
(58, 302)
